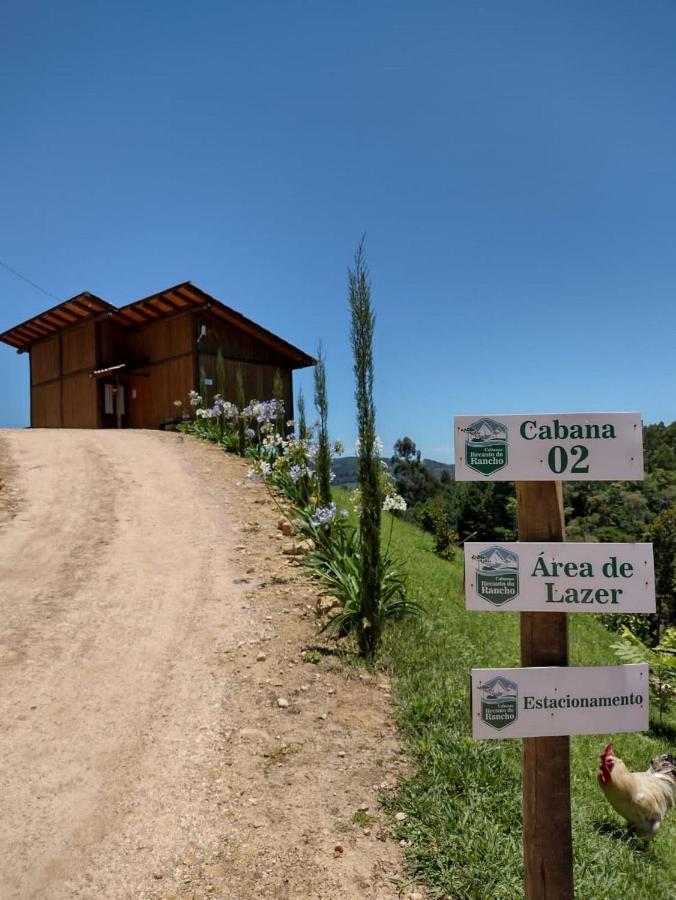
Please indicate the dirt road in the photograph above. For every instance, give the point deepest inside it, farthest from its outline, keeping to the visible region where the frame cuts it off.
(150, 624)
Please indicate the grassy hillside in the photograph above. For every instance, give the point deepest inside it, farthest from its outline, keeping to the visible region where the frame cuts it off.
(463, 797)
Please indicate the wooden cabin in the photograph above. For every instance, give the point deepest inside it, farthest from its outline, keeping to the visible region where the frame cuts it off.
(93, 365)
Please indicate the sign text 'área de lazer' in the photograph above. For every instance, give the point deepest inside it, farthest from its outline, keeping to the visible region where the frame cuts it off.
(549, 447)
(557, 700)
(560, 577)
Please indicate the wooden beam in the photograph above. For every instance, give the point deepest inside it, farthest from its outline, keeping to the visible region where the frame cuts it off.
(193, 301)
(151, 312)
(160, 305)
(172, 304)
(61, 317)
(35, 330)
(145, 317)
(87, 310)
(547, 832)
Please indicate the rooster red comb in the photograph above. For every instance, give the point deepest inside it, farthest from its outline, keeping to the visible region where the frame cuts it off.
(607, 765)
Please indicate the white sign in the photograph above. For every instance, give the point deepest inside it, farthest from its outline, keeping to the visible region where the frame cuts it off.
(550, 701)
(564, 447)
(560, 577)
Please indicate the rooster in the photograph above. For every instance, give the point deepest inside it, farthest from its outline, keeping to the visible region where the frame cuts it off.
(643, 798)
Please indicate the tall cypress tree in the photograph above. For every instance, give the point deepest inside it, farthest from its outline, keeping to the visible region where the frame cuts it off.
(241, 402)
(278, 395)
(361, 337)
(302, 424)
(323, 458)
(220, 373)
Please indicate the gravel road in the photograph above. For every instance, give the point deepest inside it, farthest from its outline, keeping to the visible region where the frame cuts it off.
(143, 752)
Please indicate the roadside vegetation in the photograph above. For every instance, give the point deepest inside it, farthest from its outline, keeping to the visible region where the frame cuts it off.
(389, 554)
(463, 798)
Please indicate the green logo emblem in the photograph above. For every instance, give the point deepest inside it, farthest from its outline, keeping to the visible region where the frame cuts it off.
(497, 575)
(486, 446)
(499, 702)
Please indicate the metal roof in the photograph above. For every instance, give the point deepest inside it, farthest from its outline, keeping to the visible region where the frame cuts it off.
(180, 298)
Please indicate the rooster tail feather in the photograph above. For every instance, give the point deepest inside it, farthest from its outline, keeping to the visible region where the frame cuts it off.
(664, 765)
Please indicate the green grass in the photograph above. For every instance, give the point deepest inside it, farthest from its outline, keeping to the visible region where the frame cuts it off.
(463, 797)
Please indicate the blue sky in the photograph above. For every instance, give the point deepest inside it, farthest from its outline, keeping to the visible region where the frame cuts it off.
(512, 164)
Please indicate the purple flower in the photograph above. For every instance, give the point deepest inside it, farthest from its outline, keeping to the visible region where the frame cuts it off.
(324, 515)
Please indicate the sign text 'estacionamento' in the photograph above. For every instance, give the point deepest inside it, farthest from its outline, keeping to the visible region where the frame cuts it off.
(557, 700)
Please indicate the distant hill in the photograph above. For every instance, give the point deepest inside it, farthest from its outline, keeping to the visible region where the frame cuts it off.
(345, 470)
(438, 467)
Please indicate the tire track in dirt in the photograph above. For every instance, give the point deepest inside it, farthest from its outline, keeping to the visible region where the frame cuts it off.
(151, 625)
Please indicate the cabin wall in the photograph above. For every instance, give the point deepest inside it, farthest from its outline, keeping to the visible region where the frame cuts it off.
(161, 340)
(79, 401)
(165, 349)
(46, 405)
(62, 393)
(78, 349)
(257, 362)
(46, 360)
(167, 355)
(112, 344)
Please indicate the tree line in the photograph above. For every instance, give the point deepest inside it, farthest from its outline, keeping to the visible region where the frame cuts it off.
(454, 512)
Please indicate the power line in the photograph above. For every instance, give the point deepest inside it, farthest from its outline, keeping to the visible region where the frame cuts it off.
(28, 281)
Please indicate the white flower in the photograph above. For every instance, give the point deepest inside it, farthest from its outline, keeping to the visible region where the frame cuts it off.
(377, 446)
(394, 503)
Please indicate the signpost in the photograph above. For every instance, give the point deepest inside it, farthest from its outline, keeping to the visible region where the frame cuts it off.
(554, 577)
(564, 447)
(541, 702)
(539, 452)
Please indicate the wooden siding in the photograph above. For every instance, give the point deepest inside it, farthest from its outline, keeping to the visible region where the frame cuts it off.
(258, 380)
(64, 394)
(79, 401)
(46, 405)
(113, 344)
(234, 343)
(46, 360)
(171, 380)
(79, 348)
(139, 400)
(163, 339)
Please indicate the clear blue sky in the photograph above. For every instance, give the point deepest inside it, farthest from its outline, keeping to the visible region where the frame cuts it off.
(513, 165)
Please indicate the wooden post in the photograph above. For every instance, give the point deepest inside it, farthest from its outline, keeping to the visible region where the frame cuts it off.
(547, 833)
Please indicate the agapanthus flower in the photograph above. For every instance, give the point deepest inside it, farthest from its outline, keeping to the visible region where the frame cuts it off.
(323, 515)
(178, 403)
(260, 471)
(296, 472)
(394, 503)
(194, 398)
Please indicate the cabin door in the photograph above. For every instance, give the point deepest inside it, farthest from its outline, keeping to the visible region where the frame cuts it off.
(139, 401)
